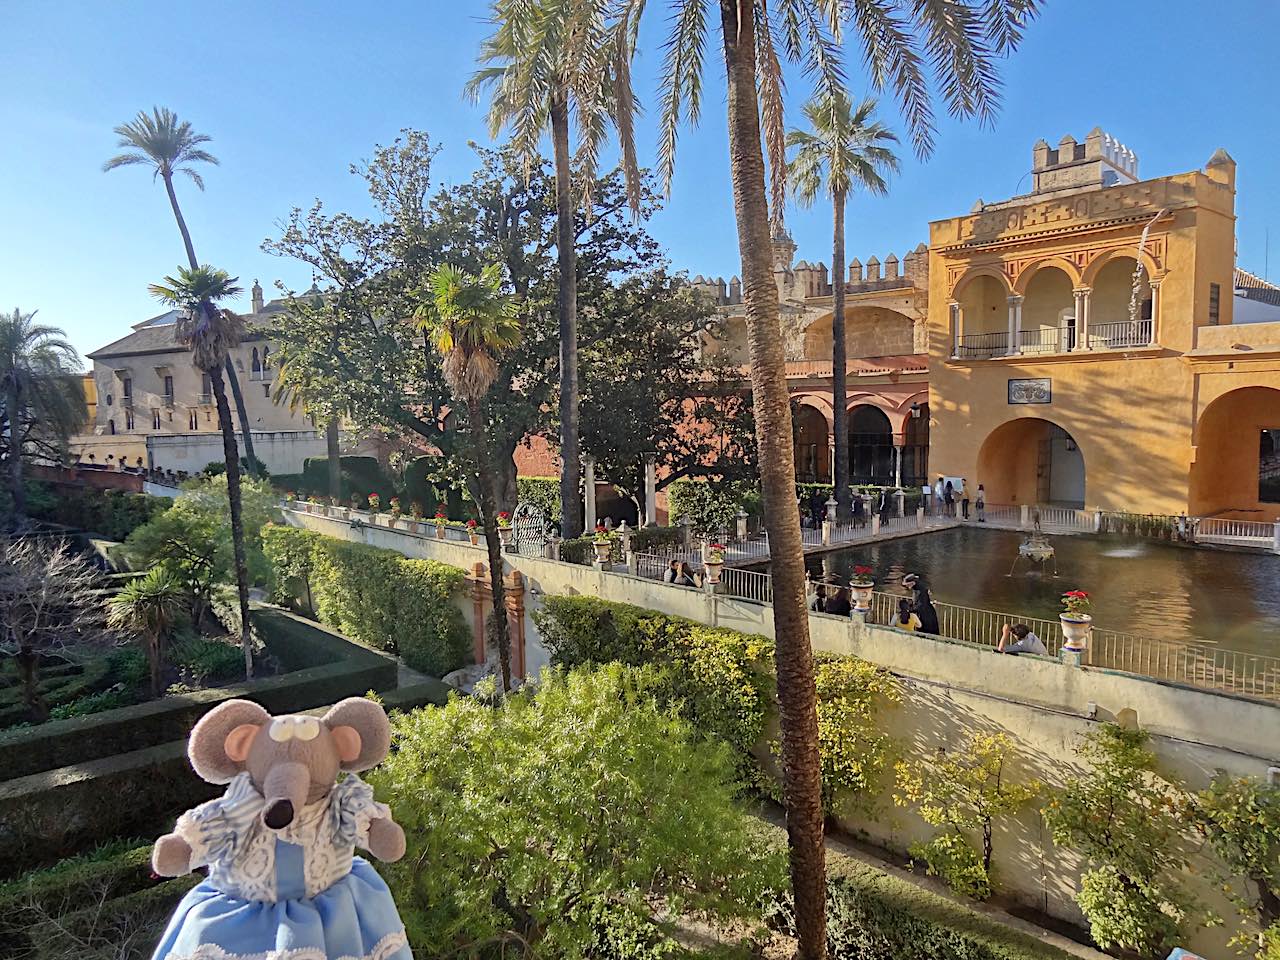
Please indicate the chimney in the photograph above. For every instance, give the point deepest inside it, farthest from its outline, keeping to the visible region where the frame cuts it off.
(257, 297)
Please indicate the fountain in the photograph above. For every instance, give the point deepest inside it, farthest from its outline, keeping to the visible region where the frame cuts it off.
(1037, 549)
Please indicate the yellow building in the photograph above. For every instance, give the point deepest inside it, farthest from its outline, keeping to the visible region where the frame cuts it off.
(1082, 350)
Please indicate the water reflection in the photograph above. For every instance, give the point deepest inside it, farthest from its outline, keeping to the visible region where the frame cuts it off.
(1142, 587)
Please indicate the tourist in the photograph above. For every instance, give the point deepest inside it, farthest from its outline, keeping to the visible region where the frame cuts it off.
(981, 503)
(672, 572)
(907, 618)
(962, 494)
(817, 509)
(687, 577)
(1026, 642)
(837, 603)
(819, 601)
(939, 493)
(949, 499)
(922, 604)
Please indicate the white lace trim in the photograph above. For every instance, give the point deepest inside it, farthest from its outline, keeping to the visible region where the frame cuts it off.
(381, 950)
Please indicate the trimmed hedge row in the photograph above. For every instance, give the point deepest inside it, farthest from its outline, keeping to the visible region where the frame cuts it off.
(111, 513)
(326, 668)
(377, 597)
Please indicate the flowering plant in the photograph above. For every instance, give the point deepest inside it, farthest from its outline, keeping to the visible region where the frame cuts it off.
(715, 553)
(471, 524)
(374, 501)
(415, 510)
(441, 518)
(1076, 603)
(504, 518)
(602, 534)
(291, 495)
(863, 576)
(394, 505)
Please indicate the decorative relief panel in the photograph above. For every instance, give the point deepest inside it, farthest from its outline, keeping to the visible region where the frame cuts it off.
(1031, 391)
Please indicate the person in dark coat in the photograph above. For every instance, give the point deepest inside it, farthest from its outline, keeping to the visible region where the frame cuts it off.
(922, 604)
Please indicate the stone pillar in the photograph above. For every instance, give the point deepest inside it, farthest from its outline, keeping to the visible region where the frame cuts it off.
(897, 467)
(919, 516)
(900, 499)
(1155, 311)
(875, 524)
(1015, 325)
(1082, 320)
(589, 494)
(650, 491)
(831, 508)
(957, 318)
(1024, 516)
(687, 530)
(624, 533)
(1275, 542)
(826, 533)
(741, 528)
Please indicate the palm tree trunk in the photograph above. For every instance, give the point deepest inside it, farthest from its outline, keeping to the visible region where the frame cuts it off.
(17, 492)
(334, 455)
(192, 262)
(489, 519)
(232, 455)
(570, 450)
(797, 696)
(839, 362)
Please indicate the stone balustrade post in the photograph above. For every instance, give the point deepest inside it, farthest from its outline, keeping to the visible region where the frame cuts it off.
(919, 516)
(826, 533)
(831, 508)
(875, 524)
(742, 525)
(900, 502)
(1024, 515)
(1275, 542)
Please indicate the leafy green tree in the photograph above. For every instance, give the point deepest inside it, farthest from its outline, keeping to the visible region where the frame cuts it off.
(693, 419)
(855, 751)
(150, 606)
(506, 859)
(41, 399)
(964, 792)
(845, 150)
(546, 62)
(169, 146)
(212, 332)
(472, 322)
(1240, 816)
(1124, 819)
(958, 43)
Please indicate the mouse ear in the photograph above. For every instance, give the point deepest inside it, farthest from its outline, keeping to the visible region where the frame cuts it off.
(220, 742)
(361, 731)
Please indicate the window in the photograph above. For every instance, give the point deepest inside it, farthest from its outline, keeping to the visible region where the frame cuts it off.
(168, 389)
(193, 420)
(155, 419)
(1215, 302)
(266, 389)
(255, 366)
(128, 420)
(266, 362)
(1269, 466)
(206, 388)
(111, 428)
(127, 392)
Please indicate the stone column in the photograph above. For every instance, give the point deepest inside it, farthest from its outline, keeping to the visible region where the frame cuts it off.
(897, 465)
(1082, 319)
(589, 494)
(650, 491)
(957, 317)
(1015, 324)
(1155, 311)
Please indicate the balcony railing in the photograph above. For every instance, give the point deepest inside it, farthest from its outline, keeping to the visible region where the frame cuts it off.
(1120, 336)
(982, 346)
(1047, 340)
(204, 399)
(1043, 341)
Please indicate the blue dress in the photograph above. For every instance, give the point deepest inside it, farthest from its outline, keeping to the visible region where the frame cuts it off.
(292, 894)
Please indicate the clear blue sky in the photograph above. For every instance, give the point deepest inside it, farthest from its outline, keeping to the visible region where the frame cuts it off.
(292, 93)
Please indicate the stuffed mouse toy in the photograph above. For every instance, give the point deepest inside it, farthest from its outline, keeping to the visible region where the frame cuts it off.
(283, 882)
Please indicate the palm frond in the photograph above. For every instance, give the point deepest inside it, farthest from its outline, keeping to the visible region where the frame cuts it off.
(681, 82)
(773, 127)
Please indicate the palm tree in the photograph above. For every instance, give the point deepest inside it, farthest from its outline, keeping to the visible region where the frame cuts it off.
(41, 393)
(958, 41)
(548, 59)
(212, 332)
(845, 150)
(168, 145)
(472, 323)
(151, 606)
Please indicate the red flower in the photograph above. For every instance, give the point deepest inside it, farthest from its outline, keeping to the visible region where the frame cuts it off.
(717, 546)
(860, 571)
(441, 515)
(503, 515)
(600, 528)
(471, 524)
(1076, 593)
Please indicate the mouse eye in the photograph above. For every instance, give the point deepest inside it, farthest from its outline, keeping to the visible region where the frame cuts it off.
(281, 729)
(306, 728)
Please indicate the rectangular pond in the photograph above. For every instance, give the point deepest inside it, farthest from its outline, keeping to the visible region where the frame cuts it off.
(1148, 588)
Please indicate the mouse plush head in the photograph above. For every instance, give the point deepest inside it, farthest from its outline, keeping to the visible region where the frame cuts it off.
(292, 760)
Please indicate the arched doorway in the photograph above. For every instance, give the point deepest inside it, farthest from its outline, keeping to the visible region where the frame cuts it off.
(870, 446)
(813, 459)
(1031, 461)
(1237, 467)
(1048, 313)
(915, 447)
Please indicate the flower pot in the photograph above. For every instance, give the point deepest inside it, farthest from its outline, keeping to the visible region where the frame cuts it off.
(392, 520)
(440, 531)
(413, 526)
(506, 533)
(713, 570)
(602, 551)
(475, 538)
(1076, 628)
(862, 595)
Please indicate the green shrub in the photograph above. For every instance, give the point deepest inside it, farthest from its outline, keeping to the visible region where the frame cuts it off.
(541, 492)
(722, 678)
(855, 752)
(128, 665)
(112, 514)
(94, 703)
(376, 597)
(289, 552)
(648, 539)
(492, 799)
(206, 660)
(710, 507)
(360, 475)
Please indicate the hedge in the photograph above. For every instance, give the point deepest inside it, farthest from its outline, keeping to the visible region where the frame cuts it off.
(114, 869)
(377, 597)
(543, 493)
(710, 507)
(111, 513)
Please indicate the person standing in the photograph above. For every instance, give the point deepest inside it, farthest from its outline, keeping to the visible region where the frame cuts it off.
(962, 494)
(949, 500)
(939, 493)
(981, 503)
(922, 604)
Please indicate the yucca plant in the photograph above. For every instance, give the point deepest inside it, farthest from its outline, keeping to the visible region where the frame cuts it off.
(150, 606)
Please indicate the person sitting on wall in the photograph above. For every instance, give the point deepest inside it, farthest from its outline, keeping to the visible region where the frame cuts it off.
(837, 602)
(922, 604)
(687, 577)
(819, 601)
(1025, 642)
(672, 573)
(906, 618)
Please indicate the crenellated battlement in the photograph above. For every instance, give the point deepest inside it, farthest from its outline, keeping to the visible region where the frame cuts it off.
(809, 280)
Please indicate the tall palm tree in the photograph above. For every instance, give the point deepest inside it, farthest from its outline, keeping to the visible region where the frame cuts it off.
(212, 332)
(168, 146)
(546, 60)
(845, 150)
(472, 322)
(958, 42)
(41, 396)
(150, 606)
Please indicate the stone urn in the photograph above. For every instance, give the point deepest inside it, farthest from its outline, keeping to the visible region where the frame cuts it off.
(412, 524)
(473, 534)
(862, 590)
(441, 530)
(713, 570)
(602, 548)
(505, 534)
(392, 520)
(1076, 628)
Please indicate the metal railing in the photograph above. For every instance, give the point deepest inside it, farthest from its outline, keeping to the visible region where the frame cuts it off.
(1047, 340)
(747, 585)
(980, 346)
(1052, 518)
(1236, 532)
(1125, 334)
